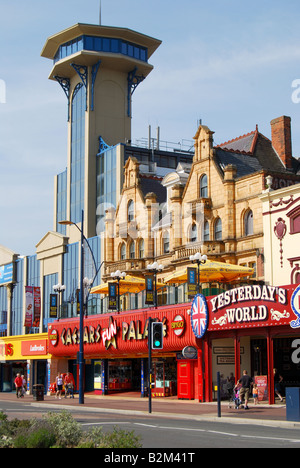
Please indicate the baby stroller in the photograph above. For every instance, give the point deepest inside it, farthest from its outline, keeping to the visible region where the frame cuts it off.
(69, 390)
(235, 397)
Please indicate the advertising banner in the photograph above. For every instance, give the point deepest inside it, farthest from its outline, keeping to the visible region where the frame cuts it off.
(192, 283)
(37, 306)
(29, 306)
(53, 306)
(149, 280)
(112, 296)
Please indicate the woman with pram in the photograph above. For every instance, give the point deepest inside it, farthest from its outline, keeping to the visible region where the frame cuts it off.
(69, 385)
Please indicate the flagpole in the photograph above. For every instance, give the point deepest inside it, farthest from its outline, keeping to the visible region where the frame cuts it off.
(100, 19)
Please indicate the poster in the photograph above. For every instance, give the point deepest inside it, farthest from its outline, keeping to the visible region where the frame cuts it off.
(262, 386)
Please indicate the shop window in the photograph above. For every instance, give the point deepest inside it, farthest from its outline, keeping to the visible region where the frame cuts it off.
(248, 223)
(218, 229)
(203, 187)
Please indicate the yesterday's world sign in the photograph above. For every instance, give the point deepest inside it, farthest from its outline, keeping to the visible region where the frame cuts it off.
(255, 306)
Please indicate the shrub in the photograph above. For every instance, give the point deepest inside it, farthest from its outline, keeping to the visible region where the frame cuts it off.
(121, 439)
(39, 435)
(68, 431)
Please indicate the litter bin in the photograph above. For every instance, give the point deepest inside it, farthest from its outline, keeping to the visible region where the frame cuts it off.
(292, 396)
(38, 392)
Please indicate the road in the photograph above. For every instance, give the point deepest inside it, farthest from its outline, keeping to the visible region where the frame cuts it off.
(171, 433)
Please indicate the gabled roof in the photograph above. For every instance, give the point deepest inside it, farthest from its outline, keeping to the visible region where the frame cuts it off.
(251, 153)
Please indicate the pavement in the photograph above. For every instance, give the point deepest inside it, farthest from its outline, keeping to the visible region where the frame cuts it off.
(132, 404)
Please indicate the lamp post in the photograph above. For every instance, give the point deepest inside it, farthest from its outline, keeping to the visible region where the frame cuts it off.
(118, 276)
(200, 260)
(81, 350)
(155, 268)
(59, 288)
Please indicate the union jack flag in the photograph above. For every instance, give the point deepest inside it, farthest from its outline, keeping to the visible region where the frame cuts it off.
(199, 316)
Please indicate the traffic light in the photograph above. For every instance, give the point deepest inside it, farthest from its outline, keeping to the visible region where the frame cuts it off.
(157, 335)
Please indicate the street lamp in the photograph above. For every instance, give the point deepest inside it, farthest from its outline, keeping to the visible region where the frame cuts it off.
(81, 350)
(200, 260)
(118, 276)
(59, 288)
(155, 268)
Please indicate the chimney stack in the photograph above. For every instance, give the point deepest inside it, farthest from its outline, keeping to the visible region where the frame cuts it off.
(282, 139)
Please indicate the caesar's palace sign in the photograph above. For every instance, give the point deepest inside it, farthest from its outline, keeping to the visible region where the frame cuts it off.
(254, 306)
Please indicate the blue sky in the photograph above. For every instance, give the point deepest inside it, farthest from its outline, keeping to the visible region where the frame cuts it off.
(229, 63)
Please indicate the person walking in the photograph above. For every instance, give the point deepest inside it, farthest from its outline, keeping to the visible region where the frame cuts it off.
(23, 386)
(18, 384)
(246, 382)
(59, 385)
(278, 379)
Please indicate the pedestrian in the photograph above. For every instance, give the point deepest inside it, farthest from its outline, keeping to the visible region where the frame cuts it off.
(18, 384)
(278, 379)
(59, 385)
(255, 394)
(246, 383)
(69, 385)
(23, 386)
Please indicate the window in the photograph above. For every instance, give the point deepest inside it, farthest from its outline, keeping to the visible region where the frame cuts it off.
(206, 231)
(141, 248)
(123, 252)
(248, 223)
(132, 250)
(166, 243)
(203, 187)
(294, 216)
(130, 211)
(218, 229)
(193, 233)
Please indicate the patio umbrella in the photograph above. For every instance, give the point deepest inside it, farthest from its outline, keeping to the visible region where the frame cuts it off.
(212, 271)
(130, 284)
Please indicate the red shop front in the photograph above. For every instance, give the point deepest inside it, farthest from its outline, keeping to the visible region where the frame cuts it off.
(117, 344)
(252, 327)
(259, 330)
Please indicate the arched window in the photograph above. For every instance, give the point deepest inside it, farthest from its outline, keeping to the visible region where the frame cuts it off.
(218, 229)
(132, 250)
(203, 187)
(193, 233)
(166, 243)
(123, 252)
(248, 223)
(130, 211)
(206, 231)
(141, 248)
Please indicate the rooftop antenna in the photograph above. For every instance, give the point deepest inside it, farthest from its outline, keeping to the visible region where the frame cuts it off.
(100, 19)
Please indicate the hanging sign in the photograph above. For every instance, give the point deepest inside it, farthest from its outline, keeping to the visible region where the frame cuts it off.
(53, 306)
(149, 280)
(112, 296)
(192, 283)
